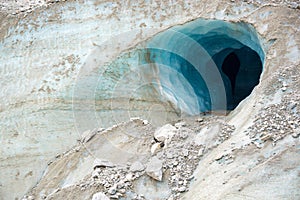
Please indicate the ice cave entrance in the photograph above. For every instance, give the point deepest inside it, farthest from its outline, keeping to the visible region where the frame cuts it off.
(206, 65)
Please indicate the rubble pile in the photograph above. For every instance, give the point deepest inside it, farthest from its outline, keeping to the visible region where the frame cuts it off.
(174, 158)
(24, 6)
(292, 4)
(28, 6)
(276, 121)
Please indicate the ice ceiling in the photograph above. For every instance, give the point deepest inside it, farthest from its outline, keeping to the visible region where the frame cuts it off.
(206, 65)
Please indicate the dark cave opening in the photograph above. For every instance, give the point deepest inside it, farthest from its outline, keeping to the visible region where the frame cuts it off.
(242, 68)
(230, 67)
(206, 65)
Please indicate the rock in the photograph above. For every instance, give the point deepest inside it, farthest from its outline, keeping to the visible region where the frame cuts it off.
(137, 166)
(185, 152)
(100, 196)
(170, 155)
(266, 137)
(181, 189)
(122, 191)
(154, 168)
(283, 89)
(199, 120)
(129, 177)
(30, 198)
(145, 122)
(165, 132)
(102, 163)
(95, 174)
(114, 196)
(201, 152)
(121, 184)
(180, 124)
(190, 178)
(112, 190)
(135, 119)
(175, 163)
(183, 135)
(296, 135)
(99, 130)
(155, 148)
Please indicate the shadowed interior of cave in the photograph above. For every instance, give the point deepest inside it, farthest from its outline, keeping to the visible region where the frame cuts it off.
(206, 65)
(230, 67)
(242, 67)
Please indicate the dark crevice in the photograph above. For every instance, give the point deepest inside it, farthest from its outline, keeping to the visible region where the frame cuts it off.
(231, 67)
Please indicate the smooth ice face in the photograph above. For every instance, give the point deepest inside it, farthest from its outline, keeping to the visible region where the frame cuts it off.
(206, 65)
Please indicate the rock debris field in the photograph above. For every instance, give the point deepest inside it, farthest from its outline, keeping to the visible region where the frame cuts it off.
(165, 172)
(27, 6)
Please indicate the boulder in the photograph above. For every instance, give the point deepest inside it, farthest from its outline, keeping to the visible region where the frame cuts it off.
(154, 168)
(137, 167)
(100, 196)
(166, 132)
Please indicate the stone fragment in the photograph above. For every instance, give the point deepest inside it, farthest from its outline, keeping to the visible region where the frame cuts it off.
(183, 135)
(95, 174)
(180, 124)
(190, 178)
(199, 120)
(100, 196)
(137, 167)
(182, 189)
(129, 177)
(112, 190)
(170, 155)
(114, 196)
(296, 135)
(165, 132)
(154, 168)
(155, 148)
(102, 163)
(122, 191)
(185, 152)
(201, 152)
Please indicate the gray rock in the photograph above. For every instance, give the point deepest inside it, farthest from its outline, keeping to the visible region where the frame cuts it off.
(129, 177)
(154, 168)
(114, 196)
(122, 191)
(112, 190)
(155, 148)
(185, 152)
(165, 132)
(180, 124)
(296, 135)
(201, 152)
(199, 120)
(183, 135)
(170, 155)
(102, 163)
(137, 167)
(181, 189)
(100, 196)
(95, 174)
